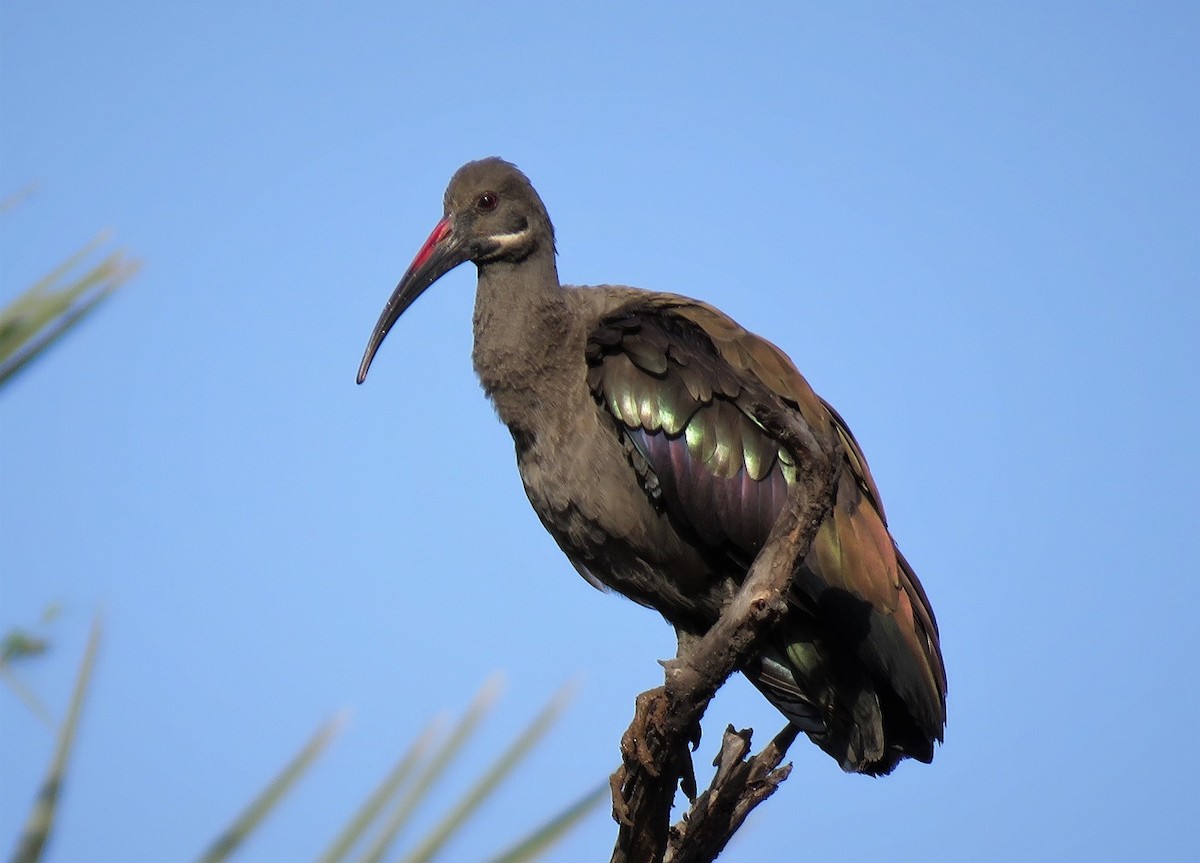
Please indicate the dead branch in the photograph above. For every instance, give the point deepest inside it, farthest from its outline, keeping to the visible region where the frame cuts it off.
(656, 748)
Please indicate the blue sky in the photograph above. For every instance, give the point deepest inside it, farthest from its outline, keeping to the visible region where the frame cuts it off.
(975, 227)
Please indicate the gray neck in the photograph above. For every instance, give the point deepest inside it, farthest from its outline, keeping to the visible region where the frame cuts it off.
(520, 327)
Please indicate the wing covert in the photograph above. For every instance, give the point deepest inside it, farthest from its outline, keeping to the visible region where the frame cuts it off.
(686, 411)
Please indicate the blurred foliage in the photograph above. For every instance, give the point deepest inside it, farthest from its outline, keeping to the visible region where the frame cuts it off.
(56, 304)
(29, 326)
(41, 818)
(19, 644)
(16, 646)
(375, 827)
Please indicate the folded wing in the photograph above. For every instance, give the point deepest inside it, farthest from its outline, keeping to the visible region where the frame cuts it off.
(857, 664)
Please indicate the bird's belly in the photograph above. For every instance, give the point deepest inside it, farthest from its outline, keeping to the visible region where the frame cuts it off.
(597, 512)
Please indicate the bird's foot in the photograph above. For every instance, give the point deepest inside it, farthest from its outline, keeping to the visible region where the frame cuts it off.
(642, 754)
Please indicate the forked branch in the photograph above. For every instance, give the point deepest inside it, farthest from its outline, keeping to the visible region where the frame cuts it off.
(656, 748)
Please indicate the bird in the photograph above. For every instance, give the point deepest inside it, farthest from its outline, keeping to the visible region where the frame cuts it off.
(633, 417)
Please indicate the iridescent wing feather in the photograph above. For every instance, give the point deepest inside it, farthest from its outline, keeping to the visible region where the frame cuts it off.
(682, 384)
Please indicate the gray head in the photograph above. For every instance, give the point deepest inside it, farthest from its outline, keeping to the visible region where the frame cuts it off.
(492, 214)
(495, 203)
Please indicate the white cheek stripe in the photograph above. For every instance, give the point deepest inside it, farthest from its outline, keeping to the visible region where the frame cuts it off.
(507, 241)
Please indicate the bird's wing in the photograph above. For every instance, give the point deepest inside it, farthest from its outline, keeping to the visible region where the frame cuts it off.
(684, 383)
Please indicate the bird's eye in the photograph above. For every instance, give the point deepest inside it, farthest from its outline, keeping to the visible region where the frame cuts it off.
(488, 201)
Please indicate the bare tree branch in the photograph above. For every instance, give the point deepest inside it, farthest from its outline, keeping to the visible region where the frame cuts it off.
(656, 748)
(737, 787)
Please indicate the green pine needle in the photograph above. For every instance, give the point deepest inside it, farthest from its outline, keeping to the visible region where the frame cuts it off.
(41, 819)
(38, 318)
(383, 794)
(487, 783)
(544, 838)
(483, 702)
(261, 806)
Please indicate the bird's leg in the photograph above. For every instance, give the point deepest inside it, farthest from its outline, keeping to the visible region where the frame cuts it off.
(686, 643)
(653, 756)
(651, 709)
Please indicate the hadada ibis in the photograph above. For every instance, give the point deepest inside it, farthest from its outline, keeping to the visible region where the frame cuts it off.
(633, 413)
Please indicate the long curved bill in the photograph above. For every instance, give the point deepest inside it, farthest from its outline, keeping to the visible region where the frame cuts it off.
(440, 254)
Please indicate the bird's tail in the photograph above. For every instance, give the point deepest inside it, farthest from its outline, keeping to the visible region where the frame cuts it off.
(847, 722)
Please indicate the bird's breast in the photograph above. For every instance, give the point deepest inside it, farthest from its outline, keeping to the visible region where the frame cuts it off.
(579, 479)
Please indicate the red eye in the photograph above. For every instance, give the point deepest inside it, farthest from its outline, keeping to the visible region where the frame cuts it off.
(488, 201)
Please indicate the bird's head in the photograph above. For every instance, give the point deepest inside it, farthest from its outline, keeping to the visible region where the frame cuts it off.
(492, 214)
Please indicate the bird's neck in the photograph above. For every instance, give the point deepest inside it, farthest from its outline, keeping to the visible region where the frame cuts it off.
(520, 325)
